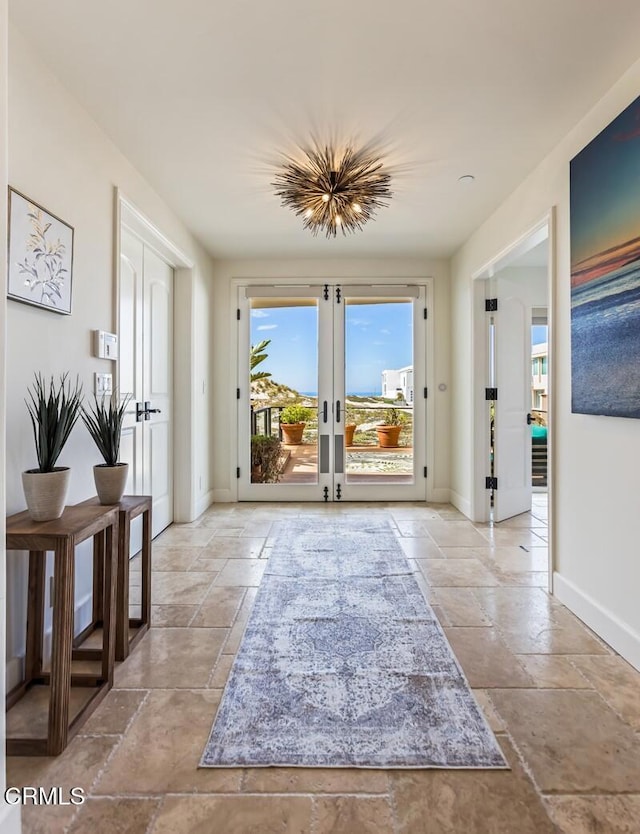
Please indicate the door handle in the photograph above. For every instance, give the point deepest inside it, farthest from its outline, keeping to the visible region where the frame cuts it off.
(325, 412)
(529, 419)
(337, 411)
(146, 412)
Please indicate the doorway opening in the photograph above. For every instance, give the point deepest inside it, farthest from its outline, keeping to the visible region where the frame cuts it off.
(328, 408)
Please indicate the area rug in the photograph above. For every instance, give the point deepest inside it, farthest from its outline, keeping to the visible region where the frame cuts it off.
(344, 664)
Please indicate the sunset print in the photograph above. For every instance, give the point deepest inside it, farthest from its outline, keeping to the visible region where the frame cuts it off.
(605, 271)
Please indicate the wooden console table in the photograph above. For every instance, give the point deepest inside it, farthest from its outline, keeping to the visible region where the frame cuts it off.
(130, 507)
(61, 536)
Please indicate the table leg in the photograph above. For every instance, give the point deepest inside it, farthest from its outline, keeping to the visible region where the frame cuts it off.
(98, 576)
(109, 607)
(122, 598)
(62, 640)
(145, 614)
(35, 615)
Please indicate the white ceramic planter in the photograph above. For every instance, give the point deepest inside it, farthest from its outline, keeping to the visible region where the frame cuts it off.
(46, 492)
(110, 481)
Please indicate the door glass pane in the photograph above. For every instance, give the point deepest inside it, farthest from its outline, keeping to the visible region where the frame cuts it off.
(379, 393)
(284, 390)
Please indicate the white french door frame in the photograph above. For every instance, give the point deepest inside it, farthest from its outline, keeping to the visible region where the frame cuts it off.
(127, 214)
(240, 361)
(480, 496)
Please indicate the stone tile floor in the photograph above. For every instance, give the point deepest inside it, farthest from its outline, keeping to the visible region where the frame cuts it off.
(564, 706)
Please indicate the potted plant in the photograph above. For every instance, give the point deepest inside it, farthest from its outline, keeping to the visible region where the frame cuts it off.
(104, 420)
(265, 459)
(389, 431)
(349, 428)
(54, 410)
(293, 419)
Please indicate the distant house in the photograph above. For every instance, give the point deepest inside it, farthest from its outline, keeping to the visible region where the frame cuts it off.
(398, 381)
(539, 359)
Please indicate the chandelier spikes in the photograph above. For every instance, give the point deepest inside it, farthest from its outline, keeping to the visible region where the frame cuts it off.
(331, 194)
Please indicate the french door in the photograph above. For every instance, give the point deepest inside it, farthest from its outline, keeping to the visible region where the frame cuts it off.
(349, 362)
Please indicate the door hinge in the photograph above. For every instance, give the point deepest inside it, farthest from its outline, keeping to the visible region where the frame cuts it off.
(237, 393)
(238, 472)
(326, 292)
(238, 314)
(338, 492)
(425, 472)
(326, 493)
(490, 305)
(338, 294)
(491, 483)
(426, 393)
(425, 313)
(491, 393)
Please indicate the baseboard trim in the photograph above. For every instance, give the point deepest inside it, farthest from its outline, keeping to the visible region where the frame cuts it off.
(221, 496)
(619, 635)
(10, 818)
(460, 503)
(203, 503)
(14, 673)
(439, 496)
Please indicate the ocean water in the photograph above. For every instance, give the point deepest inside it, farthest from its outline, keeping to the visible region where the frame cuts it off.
(605, 345)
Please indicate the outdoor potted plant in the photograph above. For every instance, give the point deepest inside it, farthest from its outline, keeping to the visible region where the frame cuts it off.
(265, 459)
(104, 420)
(349, 428)
(293, 419)
(389, 431)
(54, 410)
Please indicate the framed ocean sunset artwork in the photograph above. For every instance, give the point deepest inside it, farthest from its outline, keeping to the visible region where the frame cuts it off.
(605, 271)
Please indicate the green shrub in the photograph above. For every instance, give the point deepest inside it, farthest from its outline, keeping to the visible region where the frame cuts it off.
(295, 414)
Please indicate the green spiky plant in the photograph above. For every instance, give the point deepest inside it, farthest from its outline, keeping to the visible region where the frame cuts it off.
(258, 355)
(54, 409)
(103, 419)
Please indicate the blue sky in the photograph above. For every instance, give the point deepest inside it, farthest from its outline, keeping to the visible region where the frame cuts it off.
(538, 334)
(378, 336)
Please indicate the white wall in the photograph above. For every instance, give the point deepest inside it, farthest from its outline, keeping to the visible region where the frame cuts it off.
(596, 475)
(60, 158)
(299, 271)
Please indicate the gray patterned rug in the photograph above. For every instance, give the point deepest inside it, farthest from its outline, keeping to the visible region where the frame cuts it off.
(343, 663)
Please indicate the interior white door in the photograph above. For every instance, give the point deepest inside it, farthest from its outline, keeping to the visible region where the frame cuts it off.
(146, 374)
(512, 438)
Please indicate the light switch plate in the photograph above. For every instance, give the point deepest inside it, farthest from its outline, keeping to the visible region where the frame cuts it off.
(103, 385)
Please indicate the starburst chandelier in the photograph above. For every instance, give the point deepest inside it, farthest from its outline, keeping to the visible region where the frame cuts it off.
(334, 192)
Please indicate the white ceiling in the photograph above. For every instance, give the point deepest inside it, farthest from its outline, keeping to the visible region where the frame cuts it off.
(201, 95)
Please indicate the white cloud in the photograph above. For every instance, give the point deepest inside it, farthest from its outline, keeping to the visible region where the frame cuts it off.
(259, 314)
(385, 331)
(267, 327)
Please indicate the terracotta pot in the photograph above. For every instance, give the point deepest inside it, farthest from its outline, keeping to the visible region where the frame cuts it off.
(292, 433)
(46, 492)
(349, 431)
(110, 481)
(388, 436)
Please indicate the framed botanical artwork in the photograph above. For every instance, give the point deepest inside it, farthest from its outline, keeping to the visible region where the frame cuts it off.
(40, 258)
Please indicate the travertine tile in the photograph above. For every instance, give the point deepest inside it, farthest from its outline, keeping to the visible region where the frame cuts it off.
(162, 748)
(516, 560)
(173, 558)
(185, 588)
(114, 713)
(460, 606)
(617, 682)
(595, 814)
(115, 816)
(483, 697)
(454, 534)
(571, 740)
(178, 534)
(461, 573)
(469, 801)
(241, 572)
(503, 537)
(485, 659)
(221, 671)
(315, 780)
(235, 815)
(352, 815)
(550, 671)
(233, 548)
(172, 616)
(171, 657)
(219, 608)
(420, 547)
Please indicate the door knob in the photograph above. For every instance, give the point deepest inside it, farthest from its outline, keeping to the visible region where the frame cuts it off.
(146, 412)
